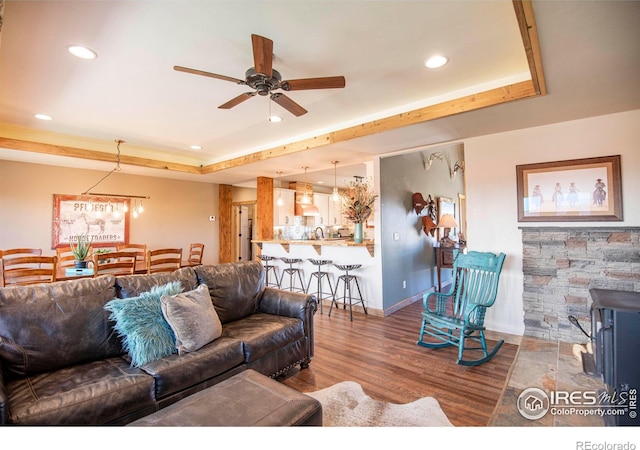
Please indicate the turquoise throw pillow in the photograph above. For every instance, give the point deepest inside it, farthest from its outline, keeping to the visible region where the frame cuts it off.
(146, 335)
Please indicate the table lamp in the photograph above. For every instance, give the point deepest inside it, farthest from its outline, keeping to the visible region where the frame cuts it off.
(447, 222)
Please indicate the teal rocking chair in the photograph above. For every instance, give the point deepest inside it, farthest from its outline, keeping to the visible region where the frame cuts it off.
(457, 317)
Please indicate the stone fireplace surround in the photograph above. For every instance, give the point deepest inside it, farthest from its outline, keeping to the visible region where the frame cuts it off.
(561, 264)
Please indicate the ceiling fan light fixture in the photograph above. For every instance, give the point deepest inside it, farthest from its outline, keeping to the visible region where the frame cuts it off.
(436, 61)
(82, 52)
(275, 119)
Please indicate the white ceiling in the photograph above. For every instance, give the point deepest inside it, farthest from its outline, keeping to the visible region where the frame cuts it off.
(590, 54)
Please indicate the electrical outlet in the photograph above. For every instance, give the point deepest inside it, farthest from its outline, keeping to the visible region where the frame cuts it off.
(404, 284)
(212, 218)
(396, 236)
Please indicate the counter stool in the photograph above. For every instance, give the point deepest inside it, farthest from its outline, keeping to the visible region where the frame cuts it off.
(320, 275)
(292, 272)
(270, 268)
(347, 281)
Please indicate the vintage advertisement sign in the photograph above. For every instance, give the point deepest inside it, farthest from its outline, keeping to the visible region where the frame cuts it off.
(103, 219)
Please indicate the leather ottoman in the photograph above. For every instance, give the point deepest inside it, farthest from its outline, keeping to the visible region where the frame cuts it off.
(246, 399)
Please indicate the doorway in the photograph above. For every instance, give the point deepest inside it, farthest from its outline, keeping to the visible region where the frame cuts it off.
(243, 231)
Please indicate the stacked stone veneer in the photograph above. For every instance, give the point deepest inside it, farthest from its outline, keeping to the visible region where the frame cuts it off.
(560, 265)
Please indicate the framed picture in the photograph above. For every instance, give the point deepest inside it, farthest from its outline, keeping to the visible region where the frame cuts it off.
(446, 206)
(570, 191)
(105, 219)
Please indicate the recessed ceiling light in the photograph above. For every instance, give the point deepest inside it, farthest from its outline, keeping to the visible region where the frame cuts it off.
(82, 52)
(436, 61)
(196, 147)
(43, 117)
(275, 119)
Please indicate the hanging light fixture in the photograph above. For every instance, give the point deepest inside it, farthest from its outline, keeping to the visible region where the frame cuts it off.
(279, 202)
(305, 197)
(336, 195)
(308, 208)
(137, 210)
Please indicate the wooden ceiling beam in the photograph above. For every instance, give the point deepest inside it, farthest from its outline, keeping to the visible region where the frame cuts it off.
(61, 150)
(472, 102)
(529, 33)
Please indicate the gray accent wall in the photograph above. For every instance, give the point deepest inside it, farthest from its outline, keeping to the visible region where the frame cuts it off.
(410, 258)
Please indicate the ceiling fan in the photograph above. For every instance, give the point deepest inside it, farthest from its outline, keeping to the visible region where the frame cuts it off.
(264, 79)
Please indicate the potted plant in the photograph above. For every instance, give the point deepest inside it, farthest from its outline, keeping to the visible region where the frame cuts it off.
(358, 205)
(81, 250)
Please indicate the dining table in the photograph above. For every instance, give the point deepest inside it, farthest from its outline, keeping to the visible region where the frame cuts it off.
(71, 273)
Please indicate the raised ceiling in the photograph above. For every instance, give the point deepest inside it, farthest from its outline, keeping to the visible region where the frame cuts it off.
(131, 91)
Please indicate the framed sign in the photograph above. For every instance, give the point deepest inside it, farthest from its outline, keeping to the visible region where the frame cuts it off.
(104, 219)
(575, 190)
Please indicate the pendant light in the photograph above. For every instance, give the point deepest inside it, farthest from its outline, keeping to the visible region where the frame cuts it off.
(336, 195)
(305, 197)
(279, 202)
(308, 208)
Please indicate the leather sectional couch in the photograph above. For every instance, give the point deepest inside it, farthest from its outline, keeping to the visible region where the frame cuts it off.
(62, 363)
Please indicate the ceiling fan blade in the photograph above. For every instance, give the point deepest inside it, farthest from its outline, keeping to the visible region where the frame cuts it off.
(262, 54)
(208, 74)
(237, 100)
(288, 104)
(313, 83)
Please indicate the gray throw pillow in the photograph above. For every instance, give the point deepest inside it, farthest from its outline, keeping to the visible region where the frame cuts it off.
(192, 318)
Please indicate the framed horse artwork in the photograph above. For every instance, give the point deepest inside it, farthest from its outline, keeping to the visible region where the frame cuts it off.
(588, 189)
(104, 219)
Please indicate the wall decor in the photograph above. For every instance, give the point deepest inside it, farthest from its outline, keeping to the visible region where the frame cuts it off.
(587, 189)
(446, 206)
(105, 219)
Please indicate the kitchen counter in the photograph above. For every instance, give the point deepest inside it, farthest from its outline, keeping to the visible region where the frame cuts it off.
(317, 244)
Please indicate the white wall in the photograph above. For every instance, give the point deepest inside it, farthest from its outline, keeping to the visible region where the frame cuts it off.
(491, 191)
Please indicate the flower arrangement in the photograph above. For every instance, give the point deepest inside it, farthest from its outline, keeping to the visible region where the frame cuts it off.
(358, 201)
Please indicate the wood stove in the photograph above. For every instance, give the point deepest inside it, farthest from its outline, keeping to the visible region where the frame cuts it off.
(615, 334)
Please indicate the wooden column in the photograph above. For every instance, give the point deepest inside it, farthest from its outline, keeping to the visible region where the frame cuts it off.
(264, 209)
(225, 200)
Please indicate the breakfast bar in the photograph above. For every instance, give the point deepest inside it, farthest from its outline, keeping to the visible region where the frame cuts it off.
(335, 252)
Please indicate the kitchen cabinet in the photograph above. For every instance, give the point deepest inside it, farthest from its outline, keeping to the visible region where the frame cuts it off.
(322, 203)
(335, 213)
(284, 213)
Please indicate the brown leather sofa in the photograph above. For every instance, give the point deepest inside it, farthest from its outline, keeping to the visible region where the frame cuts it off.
(61, 363)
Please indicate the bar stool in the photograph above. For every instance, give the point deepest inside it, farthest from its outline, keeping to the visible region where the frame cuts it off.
(320, 275)
(292, 272)
(270, 268)
(347, 280)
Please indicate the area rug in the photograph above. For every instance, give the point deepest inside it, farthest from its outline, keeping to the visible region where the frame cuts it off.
(346, 405)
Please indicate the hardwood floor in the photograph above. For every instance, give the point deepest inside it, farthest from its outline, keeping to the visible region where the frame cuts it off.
(381, 354)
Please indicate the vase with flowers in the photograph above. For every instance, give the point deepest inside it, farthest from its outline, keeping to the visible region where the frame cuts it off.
(358, 200)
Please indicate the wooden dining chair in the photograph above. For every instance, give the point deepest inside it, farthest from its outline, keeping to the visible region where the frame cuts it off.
(18, 252)
(139, 249)
(164, 260)
(24, 270)
(65, 257)
(195, 254)
(115, 263)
